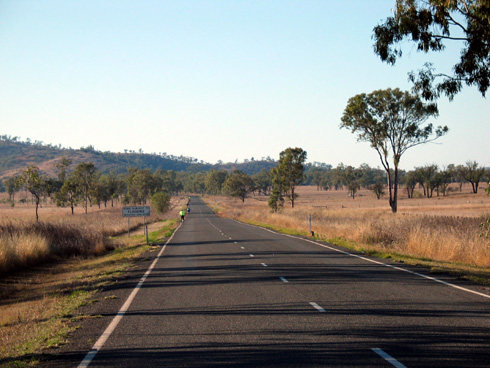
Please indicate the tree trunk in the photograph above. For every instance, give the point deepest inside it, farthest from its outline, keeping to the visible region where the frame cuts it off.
(394, 207)
(292, 196)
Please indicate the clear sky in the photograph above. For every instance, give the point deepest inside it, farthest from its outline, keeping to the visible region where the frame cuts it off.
(215, 80)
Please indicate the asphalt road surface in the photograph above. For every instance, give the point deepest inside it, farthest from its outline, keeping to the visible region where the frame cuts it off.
(225, 294)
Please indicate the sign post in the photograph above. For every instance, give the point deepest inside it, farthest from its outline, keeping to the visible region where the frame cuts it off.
(137, 211)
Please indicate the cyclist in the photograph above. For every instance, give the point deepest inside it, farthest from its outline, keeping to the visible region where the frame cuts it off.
(182, 215)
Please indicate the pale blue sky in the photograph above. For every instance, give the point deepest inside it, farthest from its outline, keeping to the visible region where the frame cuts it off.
(214, 80)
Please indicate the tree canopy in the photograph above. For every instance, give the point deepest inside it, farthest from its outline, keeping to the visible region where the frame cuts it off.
(431, 23)
(238, 185)
(288, 173)
(392, 122)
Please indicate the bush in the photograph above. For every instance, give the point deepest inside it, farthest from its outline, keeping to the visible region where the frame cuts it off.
(160, 202)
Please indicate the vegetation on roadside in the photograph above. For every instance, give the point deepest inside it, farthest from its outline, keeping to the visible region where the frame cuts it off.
(39, 307)
(455, 244)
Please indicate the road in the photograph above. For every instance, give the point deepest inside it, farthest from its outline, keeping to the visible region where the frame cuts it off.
(226, 294)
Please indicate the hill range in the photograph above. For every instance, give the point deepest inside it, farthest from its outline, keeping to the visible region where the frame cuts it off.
(16, 156)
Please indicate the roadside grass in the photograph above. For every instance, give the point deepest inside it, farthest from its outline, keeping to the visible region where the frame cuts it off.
(39, 305)
(440, 242)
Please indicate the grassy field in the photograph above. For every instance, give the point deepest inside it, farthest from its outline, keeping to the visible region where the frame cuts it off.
(51, 268)
(444, 232)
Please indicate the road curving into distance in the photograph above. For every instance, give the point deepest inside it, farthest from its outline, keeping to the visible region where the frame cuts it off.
(226, 294)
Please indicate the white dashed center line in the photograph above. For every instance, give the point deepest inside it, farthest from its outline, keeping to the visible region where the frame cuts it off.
(317, 307)
(283, 279)
(263, 264)
(388, 358)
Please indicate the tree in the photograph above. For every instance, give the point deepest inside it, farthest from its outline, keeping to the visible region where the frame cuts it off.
(84, 177)
(214, 181)
(160, 202)
(427, 177)
(288, 173)
(263, 181)
(69, 194)
(100, 191)
(12, 185)
(430, 23)
(351, 178)
(140, 185)
(473, 173)
(377, 189)
(61, 167)
(411, 180)
(238, 185)
(34, 183)
(392, 122)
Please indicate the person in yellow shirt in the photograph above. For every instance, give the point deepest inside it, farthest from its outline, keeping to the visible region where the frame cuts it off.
(182, 215)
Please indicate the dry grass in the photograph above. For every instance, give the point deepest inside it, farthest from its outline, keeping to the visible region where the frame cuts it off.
(445, 229)
(24, 242)
(38, 300)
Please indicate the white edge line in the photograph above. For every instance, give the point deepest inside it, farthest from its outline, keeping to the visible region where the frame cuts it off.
(115, 321)
(388, 358)
(382, 264)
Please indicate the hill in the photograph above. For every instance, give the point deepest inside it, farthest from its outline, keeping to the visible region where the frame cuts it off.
(16, 155)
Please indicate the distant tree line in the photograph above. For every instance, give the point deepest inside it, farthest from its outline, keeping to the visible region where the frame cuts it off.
(85, 186)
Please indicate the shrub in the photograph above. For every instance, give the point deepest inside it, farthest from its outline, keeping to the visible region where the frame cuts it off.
(160, 202)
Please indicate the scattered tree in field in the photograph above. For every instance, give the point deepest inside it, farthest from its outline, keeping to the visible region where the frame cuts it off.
(160, 202)
(35, 183)
(11, 185)
(430, 23)
(411, 180)
(392, 122)
(353, 187)
(473, 173)
(69, 195)
(427, 177)
(351, 178)
(443, 179)
(456, 175)
(84, 177)
(238, 185)
(378, 189)
(288, 174)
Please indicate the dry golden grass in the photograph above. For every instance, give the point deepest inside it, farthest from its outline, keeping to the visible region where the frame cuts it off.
(24, 242)
(442, 228)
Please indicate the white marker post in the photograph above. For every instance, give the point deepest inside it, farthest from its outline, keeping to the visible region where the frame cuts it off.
(137, 211)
